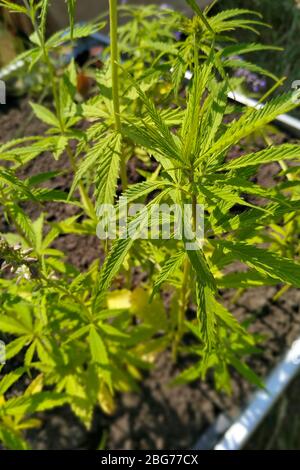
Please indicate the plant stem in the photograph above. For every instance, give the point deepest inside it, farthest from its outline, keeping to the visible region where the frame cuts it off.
(86, 201)
(184, 296)
(282, 291)
(113, 15)
(114, 61)
(185, 289)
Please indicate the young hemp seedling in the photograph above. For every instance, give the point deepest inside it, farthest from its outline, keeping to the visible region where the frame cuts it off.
(79, 336)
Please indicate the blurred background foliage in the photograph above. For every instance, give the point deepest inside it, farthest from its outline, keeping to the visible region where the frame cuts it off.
(283, 16)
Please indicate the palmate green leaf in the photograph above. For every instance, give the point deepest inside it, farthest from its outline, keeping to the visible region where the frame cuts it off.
(159, 46)
(67, 95)
(82, 389)
(225, 317)
(265, 262)
(78, 334)
(213, 315)
(168, 269)
(9, 379)
(227, 14)
(15, 142)
(148, 80)
(246, 24)
(231, 337)
(108, 170)
(79, 31)
(111, 267)
(247, 187)
(229, 190)
(178, 71)
(219, 215)
(202, 269)
(191, 119)
(8, 177)
(193, 4)
(149, 139)
(89, 161)
(43, 16)
(188, 375)
(71, 10)
(238, 185)
(171, 117)
(112, 332)
(121, 247)
(250, 121)
(206, 314)
(43, 195)
(230, 20)
(253, 217)
(268, 155)
(59, 144)
(212, 115)
(245, 280)
(13, 326)
(159, 130)
(12, 439)
(245, 371)
(15, 346)
(243, 64)
(20, 218)
(38, 226)
(227, 194)
(25, 153)
(24, 405)
(98, 349)
(42, 177)
(13, 7)
(205, 295)
(45, 115)
(244, 48)
(140, 190)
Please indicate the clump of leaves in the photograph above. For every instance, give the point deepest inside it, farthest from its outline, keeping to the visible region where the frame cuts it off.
(76, 336)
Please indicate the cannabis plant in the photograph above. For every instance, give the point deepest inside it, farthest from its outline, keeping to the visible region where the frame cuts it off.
(80, 337)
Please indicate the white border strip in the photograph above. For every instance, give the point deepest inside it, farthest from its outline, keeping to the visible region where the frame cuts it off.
(262, 402)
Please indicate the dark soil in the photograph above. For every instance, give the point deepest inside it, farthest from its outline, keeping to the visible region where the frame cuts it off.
(161, 416)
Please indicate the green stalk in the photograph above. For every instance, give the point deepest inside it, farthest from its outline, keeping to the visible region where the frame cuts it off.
(183, 302)
(113, 15)
(51, 69)
(185, 288)
(86, 201)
